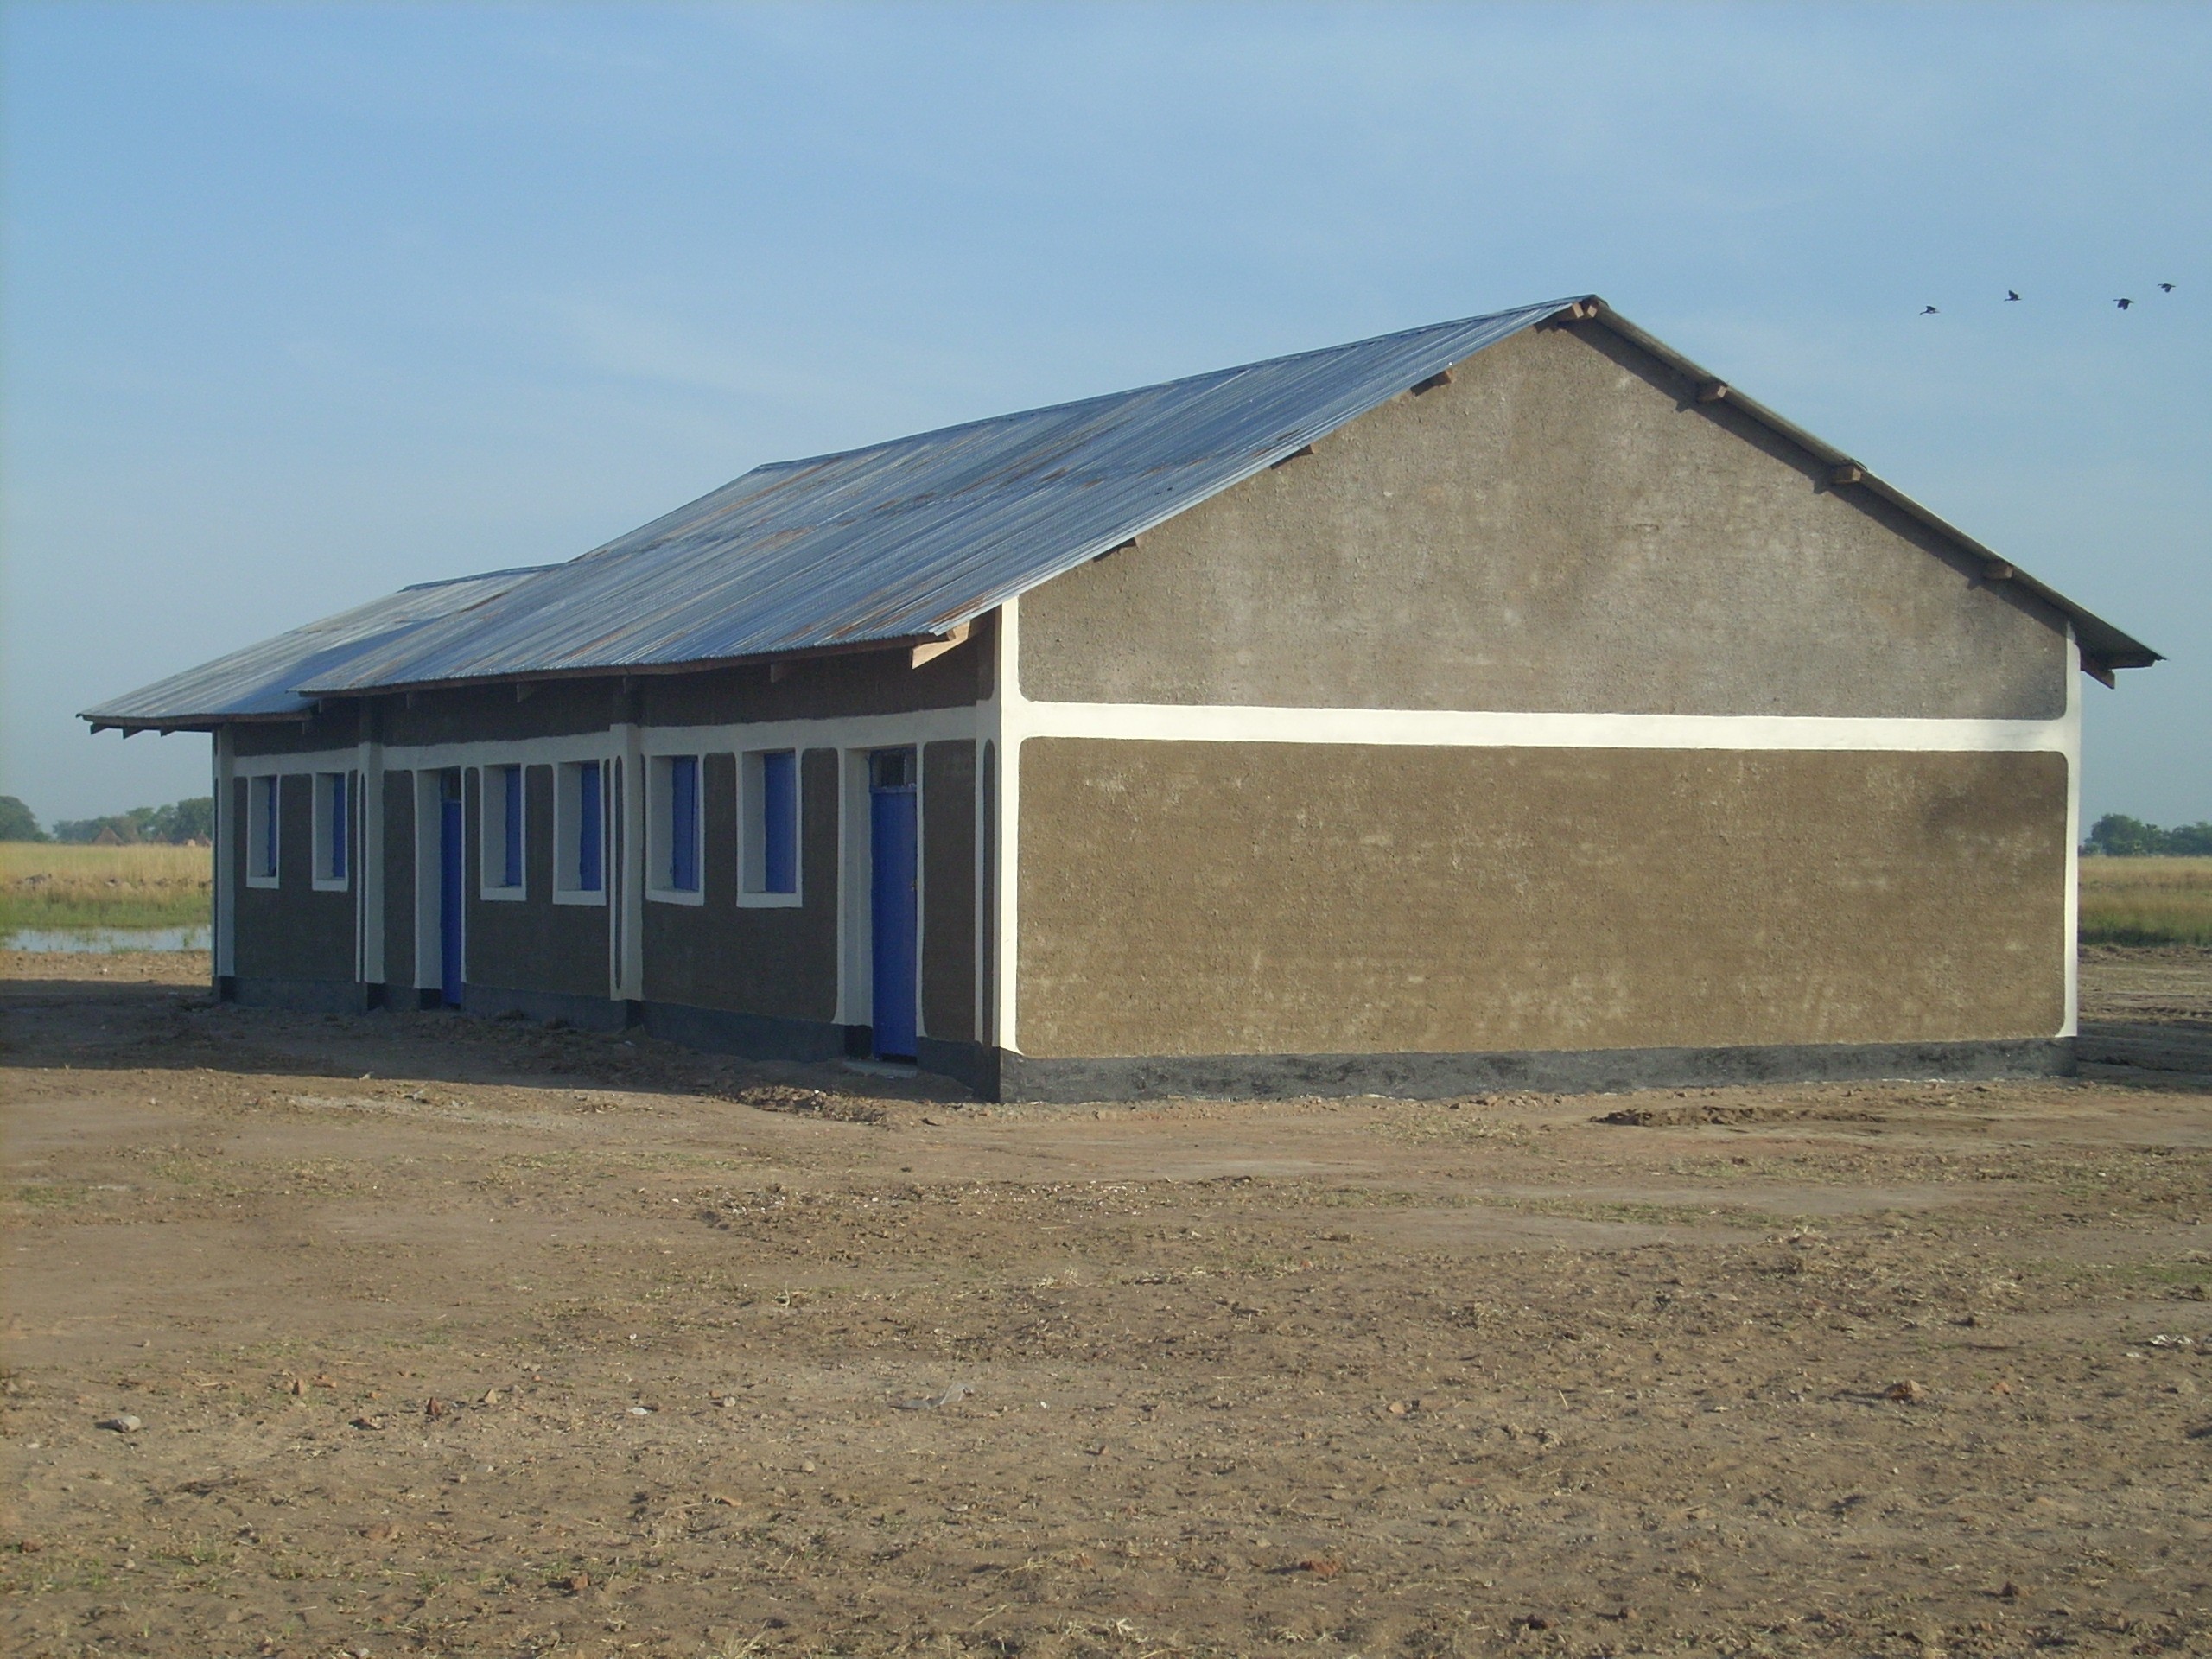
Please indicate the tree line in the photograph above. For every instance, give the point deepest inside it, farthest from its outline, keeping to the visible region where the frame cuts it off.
(2117, 835)
(176, 823)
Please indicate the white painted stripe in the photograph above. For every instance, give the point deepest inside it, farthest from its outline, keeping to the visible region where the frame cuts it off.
(2072, 1027)
(1447, 728)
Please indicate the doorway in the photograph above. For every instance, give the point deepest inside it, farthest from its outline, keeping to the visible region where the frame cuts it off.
(451, 863)
(894, 879)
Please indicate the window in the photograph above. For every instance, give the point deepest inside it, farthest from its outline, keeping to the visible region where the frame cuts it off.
(502, 843)
(331, 822)
(578, 810)
(675, 827)
(261, 822)
(769, 849)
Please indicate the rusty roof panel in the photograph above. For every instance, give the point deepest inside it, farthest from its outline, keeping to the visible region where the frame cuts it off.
(261, 681)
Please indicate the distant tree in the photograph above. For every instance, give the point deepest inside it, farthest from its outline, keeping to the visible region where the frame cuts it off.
(2117, 835)
(82, 832)
(18, 821)
(178, 822)
(188, 820)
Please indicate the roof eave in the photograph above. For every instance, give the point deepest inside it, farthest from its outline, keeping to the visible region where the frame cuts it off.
(2104, 648)
(951, 634)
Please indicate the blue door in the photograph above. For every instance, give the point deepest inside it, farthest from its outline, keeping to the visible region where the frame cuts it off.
(449, 896)
(892, 845)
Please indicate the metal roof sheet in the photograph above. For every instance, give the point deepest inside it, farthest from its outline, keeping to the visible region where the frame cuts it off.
(260, 681)
(907, 539)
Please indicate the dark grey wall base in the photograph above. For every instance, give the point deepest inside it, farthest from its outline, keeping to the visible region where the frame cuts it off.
(973, 1065)
(584, 1012)
(300, 995)
(1441, 1076)
(752, 1036)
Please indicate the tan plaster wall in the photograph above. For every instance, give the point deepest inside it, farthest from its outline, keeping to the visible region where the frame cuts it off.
(1562, 527)
(1270, 899)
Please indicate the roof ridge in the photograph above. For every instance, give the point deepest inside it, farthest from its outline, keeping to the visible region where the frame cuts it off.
(1541, 306)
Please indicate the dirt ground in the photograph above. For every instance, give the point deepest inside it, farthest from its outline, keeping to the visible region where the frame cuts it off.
(451, 1337)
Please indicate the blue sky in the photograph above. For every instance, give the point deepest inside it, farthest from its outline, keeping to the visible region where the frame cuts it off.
(303, 304)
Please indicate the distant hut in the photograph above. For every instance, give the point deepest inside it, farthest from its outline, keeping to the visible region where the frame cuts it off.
(1509, 702)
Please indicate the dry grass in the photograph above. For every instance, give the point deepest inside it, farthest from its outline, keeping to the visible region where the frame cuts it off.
(2146, 900)
(48, 887)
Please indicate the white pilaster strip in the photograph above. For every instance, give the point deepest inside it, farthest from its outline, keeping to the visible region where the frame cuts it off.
(1013, 713)
(2073, 724)
(1451, 729)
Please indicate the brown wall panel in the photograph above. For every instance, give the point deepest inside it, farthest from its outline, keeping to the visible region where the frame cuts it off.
(820, 687)
(780, 962)
(290, 931)
(531, 944)
(337, 727)
(1564, 526)
(1212, 899)
(490, 713)
(949, 891)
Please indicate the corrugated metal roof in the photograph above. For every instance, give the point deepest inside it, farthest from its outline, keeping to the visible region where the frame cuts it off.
(261, 681)
(907, 539)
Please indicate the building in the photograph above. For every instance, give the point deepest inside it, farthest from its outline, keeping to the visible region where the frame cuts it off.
(1507, 703)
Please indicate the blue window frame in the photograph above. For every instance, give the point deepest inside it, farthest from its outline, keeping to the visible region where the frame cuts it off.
(589, 860)
(683, 822)
(780, 821)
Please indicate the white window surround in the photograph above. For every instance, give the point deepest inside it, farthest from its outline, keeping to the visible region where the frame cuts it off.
(327, 783)
(659, 844)
(264, 829)
(492, 833)
(567, 787)
(752, 851)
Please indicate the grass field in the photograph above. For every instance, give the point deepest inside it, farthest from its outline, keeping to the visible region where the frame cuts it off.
(2146, 901)
(44, 886)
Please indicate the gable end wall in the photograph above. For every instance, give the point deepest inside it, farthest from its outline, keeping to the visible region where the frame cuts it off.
(1563, 527)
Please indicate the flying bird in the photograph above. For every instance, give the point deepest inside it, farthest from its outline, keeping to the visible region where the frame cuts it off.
(2165, 287)
(2123, 304)
(2012, 293)
(1928, 311)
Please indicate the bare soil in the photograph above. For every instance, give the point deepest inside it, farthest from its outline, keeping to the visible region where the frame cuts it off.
(453, 1337)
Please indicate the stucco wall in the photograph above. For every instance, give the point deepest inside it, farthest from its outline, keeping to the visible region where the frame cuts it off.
(530, 943)
(781, 962)
(1562, 527)
(948, 989)
(1203, 899)
(291, 931)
